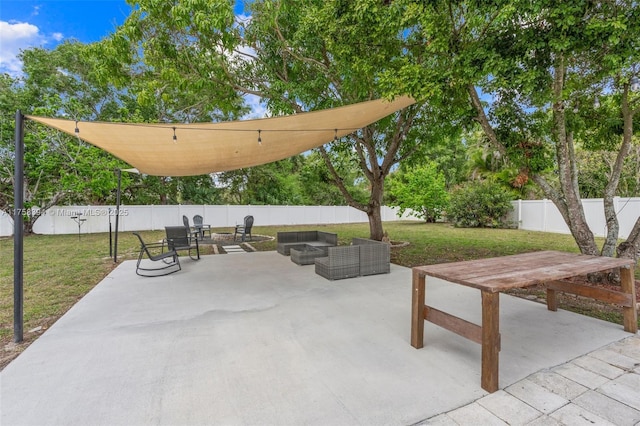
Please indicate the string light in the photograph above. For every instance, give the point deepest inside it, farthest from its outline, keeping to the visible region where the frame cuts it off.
(191, 127)
(77, 132)
(175, 128)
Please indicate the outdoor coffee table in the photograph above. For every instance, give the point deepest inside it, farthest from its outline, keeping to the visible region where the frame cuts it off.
(305, 254)
(491, 276)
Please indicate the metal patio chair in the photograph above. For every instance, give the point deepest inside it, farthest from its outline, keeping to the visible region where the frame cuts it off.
(193, 233)
(178, 239)
(169, 259)
(244, 229)
(200, 227)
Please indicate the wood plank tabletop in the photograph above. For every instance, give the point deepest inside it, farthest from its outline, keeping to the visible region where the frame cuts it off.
(520, 270)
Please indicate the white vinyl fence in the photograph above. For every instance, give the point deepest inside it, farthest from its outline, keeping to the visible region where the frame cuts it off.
(536, 215)
(543, 215)
(64, 219)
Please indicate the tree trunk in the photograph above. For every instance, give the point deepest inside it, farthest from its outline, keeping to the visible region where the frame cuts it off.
(376, 231)
(631, 248)
(613, 226)
(570, 203)
(567, 197)
(372, 209)
(28, 227)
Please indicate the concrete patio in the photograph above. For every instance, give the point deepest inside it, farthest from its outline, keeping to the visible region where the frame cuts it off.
(253, 339)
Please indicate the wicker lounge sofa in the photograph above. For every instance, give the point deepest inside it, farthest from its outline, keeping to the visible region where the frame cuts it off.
(341, 262)
(375, 256)
(298, 239)
(362, 257)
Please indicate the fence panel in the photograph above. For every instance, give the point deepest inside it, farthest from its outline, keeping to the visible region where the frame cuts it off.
(531, 215)
(543, 215)
(628, 211)
(6, 224)
(60, 219)
(534, 215)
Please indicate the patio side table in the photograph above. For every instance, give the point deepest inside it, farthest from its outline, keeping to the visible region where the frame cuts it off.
(306, 254)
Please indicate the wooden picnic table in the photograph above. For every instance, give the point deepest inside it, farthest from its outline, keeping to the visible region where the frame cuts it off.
(494, 275)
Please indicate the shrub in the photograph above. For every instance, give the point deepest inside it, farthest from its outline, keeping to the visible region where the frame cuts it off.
(479, 205)
(420, 189)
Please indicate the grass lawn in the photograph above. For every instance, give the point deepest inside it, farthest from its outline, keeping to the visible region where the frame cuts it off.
(61, 269)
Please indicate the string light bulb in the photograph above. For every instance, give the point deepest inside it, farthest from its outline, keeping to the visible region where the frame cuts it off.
(77, 132)
(259, 138)
(175, 138)
(335, 135)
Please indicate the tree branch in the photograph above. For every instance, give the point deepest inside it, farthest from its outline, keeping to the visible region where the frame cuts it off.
(362, 160)
(481, 118)
(631, 248)
(613, 225)
(402, 125)
(339, 183)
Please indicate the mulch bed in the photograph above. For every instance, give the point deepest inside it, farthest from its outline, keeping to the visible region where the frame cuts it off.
(227, 239)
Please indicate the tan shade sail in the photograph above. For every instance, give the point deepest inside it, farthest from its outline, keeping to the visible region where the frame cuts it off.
(202, 148)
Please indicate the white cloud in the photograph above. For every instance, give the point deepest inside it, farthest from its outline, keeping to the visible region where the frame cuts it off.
(258, 108)
(17, 36)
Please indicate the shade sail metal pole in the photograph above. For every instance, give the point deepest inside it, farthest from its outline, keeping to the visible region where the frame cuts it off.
(115, 248)
(110, 235)
(18, 231)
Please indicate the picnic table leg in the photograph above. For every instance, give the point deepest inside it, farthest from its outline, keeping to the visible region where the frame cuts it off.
(417, 310)
(630, 313)
(490, 340)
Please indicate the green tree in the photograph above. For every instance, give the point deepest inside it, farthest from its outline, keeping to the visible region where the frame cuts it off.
(269, 184)
(484, 163)
(596, 167)
(64, 82)
(318, 183)
(199, 190)
(297, 56)
(526, 66)
(421, 189)
(57, 167)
